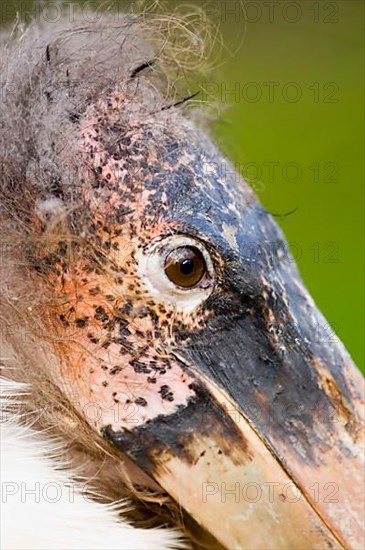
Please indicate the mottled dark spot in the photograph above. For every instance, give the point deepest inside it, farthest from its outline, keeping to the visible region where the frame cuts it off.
(115, 369)
(64, 320)
(94, 291)
(141, 401)
(100, 314)
(166, 393)
(81, 323)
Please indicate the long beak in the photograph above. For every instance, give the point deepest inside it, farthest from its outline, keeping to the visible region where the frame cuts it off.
(269, 452)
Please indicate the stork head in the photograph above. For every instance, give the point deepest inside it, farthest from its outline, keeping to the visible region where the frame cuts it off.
(182, 330)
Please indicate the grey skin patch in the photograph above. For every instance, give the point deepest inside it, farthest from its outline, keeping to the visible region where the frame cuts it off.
(259, 343)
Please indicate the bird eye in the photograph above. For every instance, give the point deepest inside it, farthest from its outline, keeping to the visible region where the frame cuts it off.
(185, 266)
(177, 270)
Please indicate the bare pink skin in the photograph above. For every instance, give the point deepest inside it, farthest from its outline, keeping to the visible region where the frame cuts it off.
(109, 388)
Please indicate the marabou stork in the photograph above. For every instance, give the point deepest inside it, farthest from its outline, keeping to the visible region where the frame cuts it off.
(150, 353)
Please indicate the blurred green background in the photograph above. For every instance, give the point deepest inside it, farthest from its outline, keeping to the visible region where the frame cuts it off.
(293, 75)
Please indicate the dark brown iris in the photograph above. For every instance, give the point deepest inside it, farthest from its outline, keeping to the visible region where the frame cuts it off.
(185, 266)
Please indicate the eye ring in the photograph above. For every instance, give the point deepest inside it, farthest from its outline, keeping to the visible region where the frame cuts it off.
(185, 266)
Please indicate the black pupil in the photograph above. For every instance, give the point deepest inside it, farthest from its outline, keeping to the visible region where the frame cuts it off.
(187, 266)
